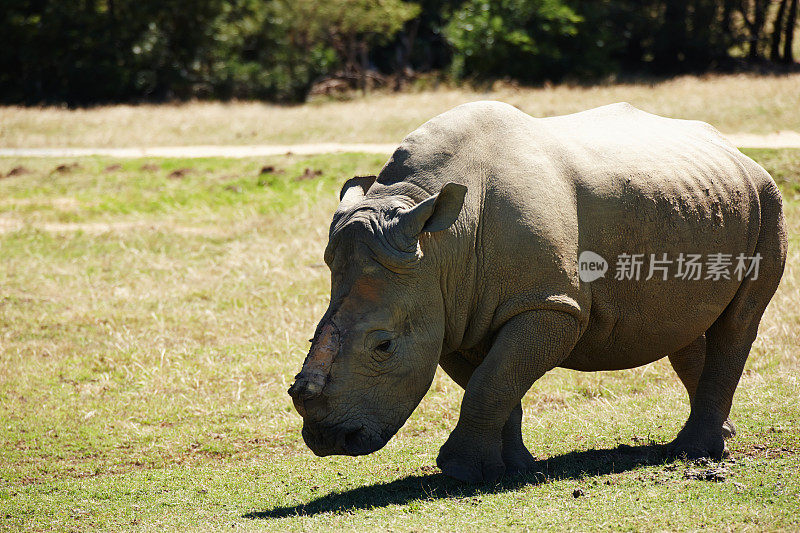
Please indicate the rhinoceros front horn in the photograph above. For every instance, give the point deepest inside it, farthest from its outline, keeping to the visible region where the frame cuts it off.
(311, 380)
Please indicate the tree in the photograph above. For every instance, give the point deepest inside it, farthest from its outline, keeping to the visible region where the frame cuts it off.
(523, 39)
(86, 51)
(777, 32)
(266, 50)
(788, 43)
(754, 15)
(83, 52)
(351, 27)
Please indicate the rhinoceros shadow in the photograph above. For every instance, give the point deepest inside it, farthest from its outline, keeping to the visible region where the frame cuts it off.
(573, 465)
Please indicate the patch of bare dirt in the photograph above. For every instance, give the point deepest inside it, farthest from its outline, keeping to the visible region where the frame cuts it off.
(66, 167)
(766, 451)
(716, 473)
(180, 173)
(9, 224)
(308, 174)
(778, 139)
(17, 171)
(112, 168)
(150, 167)
(63, 203)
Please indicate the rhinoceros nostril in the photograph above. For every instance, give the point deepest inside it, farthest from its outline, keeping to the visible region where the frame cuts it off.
(299, 406)
(294, 390)
(307, 385)
(304, 389)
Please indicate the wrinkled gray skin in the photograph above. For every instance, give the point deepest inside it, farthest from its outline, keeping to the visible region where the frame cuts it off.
(463, 253)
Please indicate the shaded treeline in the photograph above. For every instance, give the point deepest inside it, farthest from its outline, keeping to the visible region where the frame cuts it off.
(89, 51)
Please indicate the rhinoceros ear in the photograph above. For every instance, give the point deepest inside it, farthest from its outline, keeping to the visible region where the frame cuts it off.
(436, 213)
(354, 189)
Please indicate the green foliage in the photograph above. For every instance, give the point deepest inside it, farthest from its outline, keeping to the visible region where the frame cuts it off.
(381, 19)
(534, 40)
(267, 50)
(523, 39)
(98, 50)
(351, 27)
(659, 36)
(90, 51)
(110, 50)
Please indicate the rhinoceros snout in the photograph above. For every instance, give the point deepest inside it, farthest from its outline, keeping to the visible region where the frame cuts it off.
(341, 440)
(304, 388)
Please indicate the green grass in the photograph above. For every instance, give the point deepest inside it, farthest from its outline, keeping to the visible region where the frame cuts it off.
(98, 189)
(150, 326)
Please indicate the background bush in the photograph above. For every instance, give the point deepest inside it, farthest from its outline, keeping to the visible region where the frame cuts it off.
(92, 51)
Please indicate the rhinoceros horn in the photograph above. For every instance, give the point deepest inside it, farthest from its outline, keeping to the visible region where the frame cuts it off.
(314, 374)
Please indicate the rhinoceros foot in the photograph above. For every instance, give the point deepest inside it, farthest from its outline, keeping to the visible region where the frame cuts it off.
(518, 460)
(471, 460)
(695, 442)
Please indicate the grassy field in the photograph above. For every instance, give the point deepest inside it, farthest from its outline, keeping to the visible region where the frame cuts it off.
(153, 313)
(741, 103)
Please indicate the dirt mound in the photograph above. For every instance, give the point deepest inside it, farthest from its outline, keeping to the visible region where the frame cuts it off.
(16, 171)
(66, 167)
(308, 174)
(180, 173)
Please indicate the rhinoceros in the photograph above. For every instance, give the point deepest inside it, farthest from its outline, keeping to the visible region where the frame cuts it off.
(500, 246)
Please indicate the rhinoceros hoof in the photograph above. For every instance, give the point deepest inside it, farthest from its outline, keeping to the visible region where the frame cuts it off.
(470, 471)
(698, 444)
(518, 460)
(470, 463)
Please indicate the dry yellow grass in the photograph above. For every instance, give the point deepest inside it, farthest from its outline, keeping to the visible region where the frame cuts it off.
(733, 103)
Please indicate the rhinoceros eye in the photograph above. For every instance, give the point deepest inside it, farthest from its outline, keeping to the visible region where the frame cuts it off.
(381, 344)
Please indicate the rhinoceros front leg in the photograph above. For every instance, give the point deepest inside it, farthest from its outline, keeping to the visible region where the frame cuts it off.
(515, 455)
(525, 348)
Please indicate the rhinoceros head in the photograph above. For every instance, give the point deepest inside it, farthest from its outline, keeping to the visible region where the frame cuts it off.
(375, 351)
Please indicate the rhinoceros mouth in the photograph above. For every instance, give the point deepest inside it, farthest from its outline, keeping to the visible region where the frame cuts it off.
(342, 441)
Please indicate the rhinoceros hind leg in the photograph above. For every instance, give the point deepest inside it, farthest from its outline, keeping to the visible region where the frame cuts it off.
(688, 364)
(730, 337)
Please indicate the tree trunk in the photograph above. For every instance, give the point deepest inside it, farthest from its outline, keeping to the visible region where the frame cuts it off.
(727, 17)
(704, 41)
(756, 29)
(671, 39)
(791, 20)
(364, 65)
(408, 48)
(777, 31)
